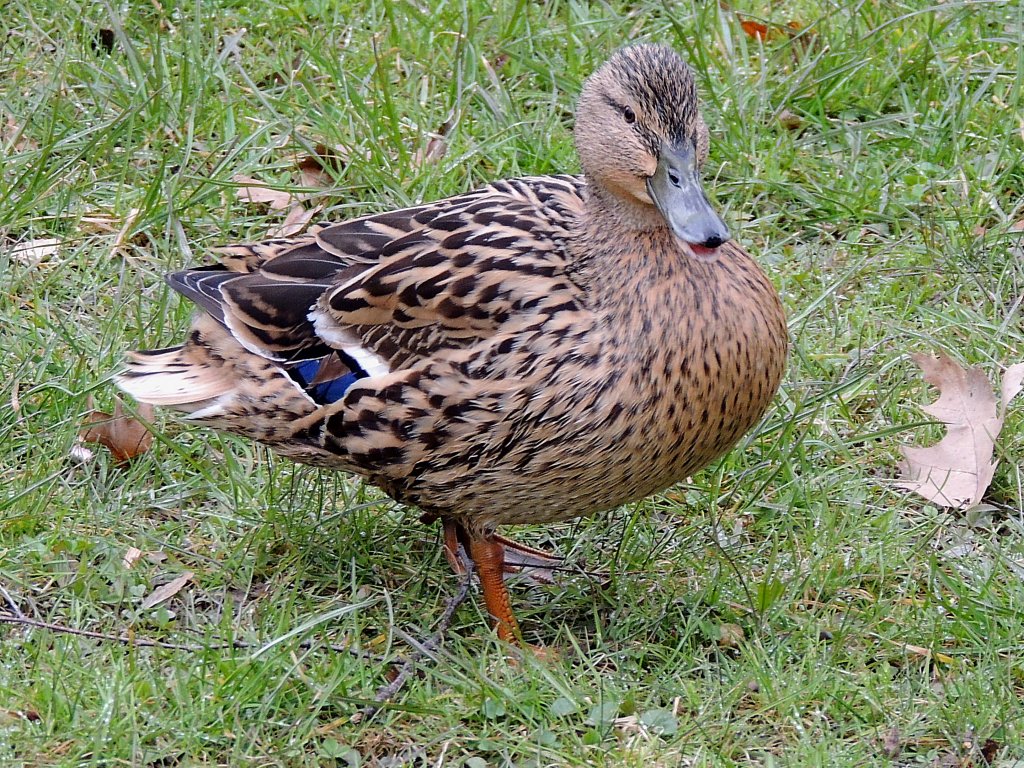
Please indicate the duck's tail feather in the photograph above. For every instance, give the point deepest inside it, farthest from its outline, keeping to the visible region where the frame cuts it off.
(174, 377)
(218, 383)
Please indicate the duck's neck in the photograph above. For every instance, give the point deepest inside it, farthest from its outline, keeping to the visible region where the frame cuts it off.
(622, 242)
(621, 212)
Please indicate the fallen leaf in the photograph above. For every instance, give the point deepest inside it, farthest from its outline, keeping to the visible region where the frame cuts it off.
(103, 41)
(790, 120)
(280, 77)
(33, 252)
(436, 146)
(926, 653)
(730, 635)
(80, 454)
(167, 591)
(990, 750)
(131, 557)
(434, 150)
(103, 223)
(956, 471)
(754, 29)
(891, 743)
(951, 760)
(13, 138)
(252, 190)
(298, 219)
(319, 169)
(126, 437)
(21, 714)
(761, 31)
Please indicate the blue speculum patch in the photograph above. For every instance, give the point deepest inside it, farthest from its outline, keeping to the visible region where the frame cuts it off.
(324, 392)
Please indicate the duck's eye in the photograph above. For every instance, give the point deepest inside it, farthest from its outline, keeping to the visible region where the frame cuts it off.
(629, 115)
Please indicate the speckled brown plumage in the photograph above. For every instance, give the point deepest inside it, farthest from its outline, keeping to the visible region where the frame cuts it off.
(538, 349)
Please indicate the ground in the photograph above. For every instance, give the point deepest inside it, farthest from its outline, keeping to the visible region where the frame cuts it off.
(789, 606)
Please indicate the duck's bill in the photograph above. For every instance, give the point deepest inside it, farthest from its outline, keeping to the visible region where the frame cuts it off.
(677, 193)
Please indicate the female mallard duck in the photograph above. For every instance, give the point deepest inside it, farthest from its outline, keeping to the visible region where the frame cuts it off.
(539, 349)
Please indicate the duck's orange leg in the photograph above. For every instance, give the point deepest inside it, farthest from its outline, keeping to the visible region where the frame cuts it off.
(516, 558)
(489, 557)
(452, 544)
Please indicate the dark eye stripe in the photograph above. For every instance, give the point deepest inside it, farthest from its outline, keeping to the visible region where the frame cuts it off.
(624, 109)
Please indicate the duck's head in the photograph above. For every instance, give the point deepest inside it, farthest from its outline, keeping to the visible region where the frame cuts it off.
(640, 137)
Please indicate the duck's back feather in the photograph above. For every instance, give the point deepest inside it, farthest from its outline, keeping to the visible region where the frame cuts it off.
(377, 294)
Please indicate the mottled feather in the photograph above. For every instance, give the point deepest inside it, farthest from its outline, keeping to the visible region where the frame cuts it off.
(531, 351)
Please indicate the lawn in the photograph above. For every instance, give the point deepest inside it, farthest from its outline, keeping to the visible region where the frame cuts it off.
(791, 605)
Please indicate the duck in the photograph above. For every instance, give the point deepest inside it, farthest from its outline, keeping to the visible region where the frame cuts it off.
(536, 350)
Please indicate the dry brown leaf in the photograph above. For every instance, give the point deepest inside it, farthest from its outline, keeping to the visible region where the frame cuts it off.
(891, 743)
(956, 471)
(103, 223)
(730, 635)
(436, 146)
(125, 436)
(33, 252)
(434, 150)
(990, 750)
(319, 169)
(103, 41)
(925, 653)
(790, 120)
(252, 190)
(131, 557)
(298, 219)
(754, 29)
(13, 138)
(167, 591)
(126, 226)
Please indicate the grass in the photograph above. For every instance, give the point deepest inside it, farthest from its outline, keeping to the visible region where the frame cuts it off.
(862, 626)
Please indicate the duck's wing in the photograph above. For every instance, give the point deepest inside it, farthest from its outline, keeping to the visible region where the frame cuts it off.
(377, 294)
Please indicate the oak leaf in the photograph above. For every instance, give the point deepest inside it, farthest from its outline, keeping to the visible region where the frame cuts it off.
(956, 471)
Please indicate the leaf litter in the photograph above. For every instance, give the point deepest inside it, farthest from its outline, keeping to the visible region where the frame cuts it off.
(34, 252)
(254, 191)
(165, 592)
(956, 471)
(125, 436)
(317, 171)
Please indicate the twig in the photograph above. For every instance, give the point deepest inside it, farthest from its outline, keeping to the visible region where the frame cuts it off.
(14, 609)
(406, 667)
(11, 618)
(142, 642)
